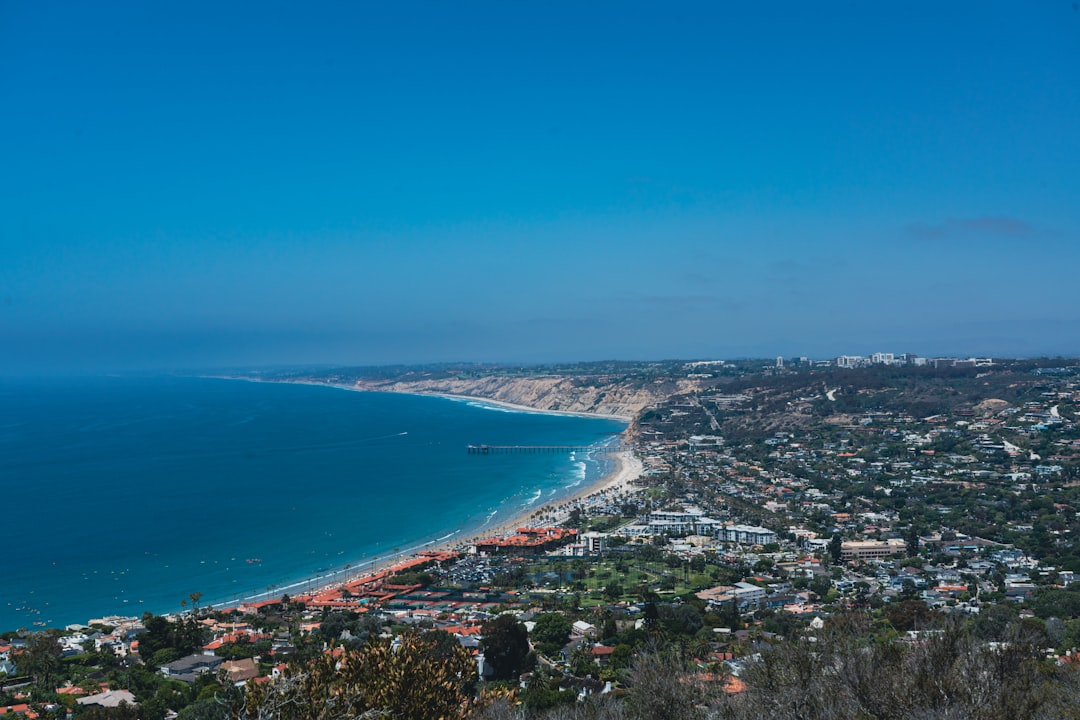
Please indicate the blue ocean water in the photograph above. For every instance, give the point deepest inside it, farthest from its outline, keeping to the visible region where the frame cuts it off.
(125, 495)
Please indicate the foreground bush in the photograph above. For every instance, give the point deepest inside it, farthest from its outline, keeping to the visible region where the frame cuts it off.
(419, 680)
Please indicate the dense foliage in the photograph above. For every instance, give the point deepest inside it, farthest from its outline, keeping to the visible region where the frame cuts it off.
(414, 680)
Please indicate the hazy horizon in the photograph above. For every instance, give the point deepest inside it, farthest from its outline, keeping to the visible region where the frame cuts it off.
(196, 186)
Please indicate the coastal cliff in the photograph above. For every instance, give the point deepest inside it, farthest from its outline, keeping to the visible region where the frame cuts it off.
(618, 397)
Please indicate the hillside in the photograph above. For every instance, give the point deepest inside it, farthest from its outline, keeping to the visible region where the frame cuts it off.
(619, 397)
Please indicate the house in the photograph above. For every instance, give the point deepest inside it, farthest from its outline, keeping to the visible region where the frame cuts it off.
(601, 654)
(567, 652)
(188, 669)
(240, 671)
(718, 595)
(109, 699)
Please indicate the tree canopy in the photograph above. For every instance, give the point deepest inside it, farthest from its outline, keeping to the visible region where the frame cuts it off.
(506, 647)
(552, 632)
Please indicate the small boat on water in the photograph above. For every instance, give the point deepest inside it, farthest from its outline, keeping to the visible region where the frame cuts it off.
(253, 561)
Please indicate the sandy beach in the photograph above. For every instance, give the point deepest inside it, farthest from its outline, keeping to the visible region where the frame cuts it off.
(619, 481)
(512, 406)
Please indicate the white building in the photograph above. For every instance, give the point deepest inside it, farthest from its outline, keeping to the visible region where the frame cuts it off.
(595, 543)
(691, 521)
(746, 534)
(747, 594)
(850, 361)
(871, 549)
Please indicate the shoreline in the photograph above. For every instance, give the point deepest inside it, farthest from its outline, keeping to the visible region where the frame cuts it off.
(619, 478)
(628, 468)
(508, 405)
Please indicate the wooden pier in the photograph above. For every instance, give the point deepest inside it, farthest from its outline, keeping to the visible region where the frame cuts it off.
(535, 449)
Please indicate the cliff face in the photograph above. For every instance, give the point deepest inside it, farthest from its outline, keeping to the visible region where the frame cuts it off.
(621, 398)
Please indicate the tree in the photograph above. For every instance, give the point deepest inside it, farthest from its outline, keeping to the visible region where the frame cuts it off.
(613, 590)
(123, 711)
(910, 614)
(609, 629)
(583, 664)
(183, 636)
(41, 658)
(551, 632)
(948, 675)
(620, 657)
(164, 656)
(912, 540)
(836, 547)
(441, 645)
(333, 625)
(505, 645)
(680, 619)
(992, 622)
(820, 586)
(1052, 602)
(205, 709)
(659, 690)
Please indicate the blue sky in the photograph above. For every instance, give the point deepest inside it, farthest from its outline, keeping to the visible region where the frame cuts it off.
(191, 185)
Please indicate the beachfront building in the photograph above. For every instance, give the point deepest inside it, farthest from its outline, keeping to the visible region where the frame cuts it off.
(527, 541)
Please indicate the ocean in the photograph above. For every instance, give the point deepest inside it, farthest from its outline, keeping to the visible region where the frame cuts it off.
(126, 495)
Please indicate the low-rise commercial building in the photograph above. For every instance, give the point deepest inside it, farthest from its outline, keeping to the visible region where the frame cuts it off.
(871, 549)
